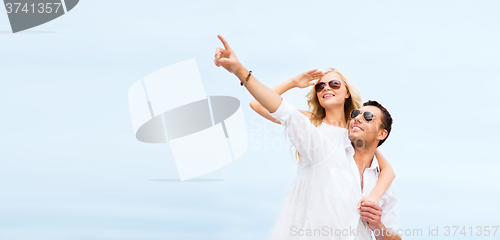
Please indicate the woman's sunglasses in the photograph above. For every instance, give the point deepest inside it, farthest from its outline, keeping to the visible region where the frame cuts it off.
(368, 116)
(334, 84)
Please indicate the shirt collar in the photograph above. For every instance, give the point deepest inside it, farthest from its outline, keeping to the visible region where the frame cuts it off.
(374, 165)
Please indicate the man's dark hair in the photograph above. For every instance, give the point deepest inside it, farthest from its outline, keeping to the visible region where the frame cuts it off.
(386, 118)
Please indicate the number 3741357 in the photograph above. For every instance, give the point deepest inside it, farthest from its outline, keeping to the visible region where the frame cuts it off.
(470, 231)
(33, 8)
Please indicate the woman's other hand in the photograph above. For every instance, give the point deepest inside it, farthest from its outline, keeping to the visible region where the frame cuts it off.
(369, 198)
(306, 79)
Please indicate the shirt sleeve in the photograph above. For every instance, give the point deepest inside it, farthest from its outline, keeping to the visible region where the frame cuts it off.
(388, 205)
(304, 136)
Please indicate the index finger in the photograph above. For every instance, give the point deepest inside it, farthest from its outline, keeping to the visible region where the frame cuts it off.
(226, 45)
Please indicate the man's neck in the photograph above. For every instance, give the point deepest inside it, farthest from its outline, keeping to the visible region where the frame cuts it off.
(364, 156)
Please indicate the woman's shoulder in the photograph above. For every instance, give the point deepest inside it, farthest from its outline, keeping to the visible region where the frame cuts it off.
(306, 113)
(309, 116)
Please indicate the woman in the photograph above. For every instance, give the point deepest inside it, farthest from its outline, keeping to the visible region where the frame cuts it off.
(330, 101)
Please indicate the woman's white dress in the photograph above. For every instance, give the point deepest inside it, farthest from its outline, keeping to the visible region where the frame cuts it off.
(292, 216)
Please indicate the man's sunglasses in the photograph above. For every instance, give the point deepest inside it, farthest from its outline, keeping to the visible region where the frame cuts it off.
(368, 116)
(334, 84)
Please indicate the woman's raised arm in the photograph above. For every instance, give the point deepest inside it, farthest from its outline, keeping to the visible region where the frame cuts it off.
(226, 58)
(302, 80)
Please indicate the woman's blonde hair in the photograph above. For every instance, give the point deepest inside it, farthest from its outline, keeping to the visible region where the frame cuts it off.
(318, 111)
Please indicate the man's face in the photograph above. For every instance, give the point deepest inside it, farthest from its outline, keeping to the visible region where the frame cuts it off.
(363, 132)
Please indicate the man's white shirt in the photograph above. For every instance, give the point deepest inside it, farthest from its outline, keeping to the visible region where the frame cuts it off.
(335, 182)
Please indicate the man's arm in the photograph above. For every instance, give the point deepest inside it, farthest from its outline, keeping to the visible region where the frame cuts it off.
(372, 213)
(385, 234)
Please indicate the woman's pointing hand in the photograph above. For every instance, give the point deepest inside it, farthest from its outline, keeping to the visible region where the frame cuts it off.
(226, 57)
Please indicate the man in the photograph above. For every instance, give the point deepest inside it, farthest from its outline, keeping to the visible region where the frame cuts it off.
(344, 170)
(368, 129)
(336, 181)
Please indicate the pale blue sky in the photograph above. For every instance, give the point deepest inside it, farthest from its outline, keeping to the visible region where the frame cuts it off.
(70, 167)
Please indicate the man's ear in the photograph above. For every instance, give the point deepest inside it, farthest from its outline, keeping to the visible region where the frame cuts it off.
(382, 135)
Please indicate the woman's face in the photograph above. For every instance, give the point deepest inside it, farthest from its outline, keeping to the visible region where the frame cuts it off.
(329, 97)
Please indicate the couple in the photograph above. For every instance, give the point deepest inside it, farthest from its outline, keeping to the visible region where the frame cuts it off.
(342, 188)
